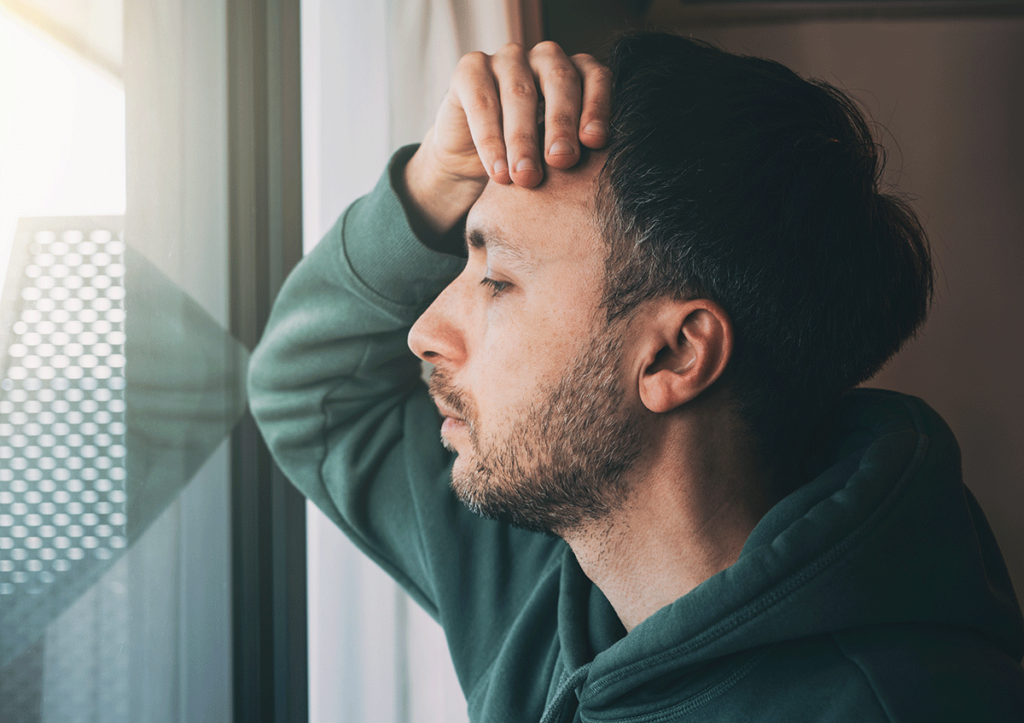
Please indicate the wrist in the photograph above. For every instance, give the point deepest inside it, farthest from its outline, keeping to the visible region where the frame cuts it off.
(437, 198)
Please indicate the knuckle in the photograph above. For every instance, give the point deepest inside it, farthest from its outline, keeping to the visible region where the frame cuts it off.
(563, 121)
(522, 90)
(564, 74)
(600, 74)
(547, 48)
(510, 49)
(598, 103)
(489, 144)
(481, 103)
(472, 61)
(523, 138)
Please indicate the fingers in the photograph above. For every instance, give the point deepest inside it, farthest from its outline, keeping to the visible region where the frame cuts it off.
(519, 97)
(597, 100)
(561, 86)
(489, 121)
(474, 95)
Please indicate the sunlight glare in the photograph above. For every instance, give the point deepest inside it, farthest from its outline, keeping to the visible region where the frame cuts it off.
(62, 134)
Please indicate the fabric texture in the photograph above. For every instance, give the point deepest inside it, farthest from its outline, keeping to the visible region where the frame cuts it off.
(875, 592)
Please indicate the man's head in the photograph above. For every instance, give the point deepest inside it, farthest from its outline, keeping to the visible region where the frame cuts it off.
(528, 370)
(730, 245)
(731, 178)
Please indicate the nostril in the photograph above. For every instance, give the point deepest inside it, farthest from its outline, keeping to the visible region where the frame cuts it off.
(423, 340)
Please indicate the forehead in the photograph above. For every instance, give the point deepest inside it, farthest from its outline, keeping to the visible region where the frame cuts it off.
(553, 219)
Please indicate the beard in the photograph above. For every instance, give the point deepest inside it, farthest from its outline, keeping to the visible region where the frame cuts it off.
(559, 466)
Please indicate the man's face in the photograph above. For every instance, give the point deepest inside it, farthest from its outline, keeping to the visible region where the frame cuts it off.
(527, 371)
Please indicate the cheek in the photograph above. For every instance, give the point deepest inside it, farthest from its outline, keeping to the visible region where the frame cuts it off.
(520, 344)
(515, 364)
(498, 376)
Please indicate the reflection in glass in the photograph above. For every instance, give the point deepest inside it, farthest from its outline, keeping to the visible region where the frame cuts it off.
(62, 424)
(115, 387)
(118, 380)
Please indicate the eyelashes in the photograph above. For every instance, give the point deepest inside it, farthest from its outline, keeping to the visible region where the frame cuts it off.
(496, 286)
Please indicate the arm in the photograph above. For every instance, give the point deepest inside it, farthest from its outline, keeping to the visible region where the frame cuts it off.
(333, 385)
(338, 394)
(340, 402)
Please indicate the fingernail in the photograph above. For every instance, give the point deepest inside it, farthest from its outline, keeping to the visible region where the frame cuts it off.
(525, 165)
(595, 128)
(500, 166)
(561, 148)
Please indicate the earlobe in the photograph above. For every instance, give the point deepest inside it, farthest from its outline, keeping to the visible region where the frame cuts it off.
(689, 344)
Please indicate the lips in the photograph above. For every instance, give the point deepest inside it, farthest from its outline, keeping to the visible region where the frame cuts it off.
(452, 408)
(447, 412)
(452, 423)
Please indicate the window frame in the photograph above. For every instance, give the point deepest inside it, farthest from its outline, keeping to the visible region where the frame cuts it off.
(268, 526)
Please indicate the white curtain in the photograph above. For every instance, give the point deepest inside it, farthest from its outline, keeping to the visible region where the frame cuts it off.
(373, 75)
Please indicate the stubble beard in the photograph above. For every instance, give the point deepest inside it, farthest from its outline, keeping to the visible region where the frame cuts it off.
(560, 466)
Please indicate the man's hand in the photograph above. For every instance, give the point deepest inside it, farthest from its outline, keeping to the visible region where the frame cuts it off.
(489, 126)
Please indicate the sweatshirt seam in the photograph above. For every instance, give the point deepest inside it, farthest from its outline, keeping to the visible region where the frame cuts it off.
(396, 309)
(864, 674)
(384, 561)
(812, 569)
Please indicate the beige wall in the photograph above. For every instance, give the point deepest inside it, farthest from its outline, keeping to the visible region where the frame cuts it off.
(950, 94)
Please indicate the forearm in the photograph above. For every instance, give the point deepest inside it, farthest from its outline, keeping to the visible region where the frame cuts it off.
(334, 352)
(435, 200)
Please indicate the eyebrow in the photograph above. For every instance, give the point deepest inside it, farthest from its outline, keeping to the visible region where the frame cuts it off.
(483, 238)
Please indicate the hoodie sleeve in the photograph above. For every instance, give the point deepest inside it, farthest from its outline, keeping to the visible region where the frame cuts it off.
(341, 404)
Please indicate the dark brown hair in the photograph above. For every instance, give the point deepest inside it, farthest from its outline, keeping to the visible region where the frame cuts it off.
(732, 178)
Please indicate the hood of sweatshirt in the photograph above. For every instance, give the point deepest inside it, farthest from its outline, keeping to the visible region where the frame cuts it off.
(885, 533)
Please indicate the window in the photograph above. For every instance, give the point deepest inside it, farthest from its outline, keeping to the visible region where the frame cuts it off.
(144, 536)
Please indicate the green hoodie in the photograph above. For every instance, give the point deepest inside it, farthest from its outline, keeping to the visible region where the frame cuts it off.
(875, 592)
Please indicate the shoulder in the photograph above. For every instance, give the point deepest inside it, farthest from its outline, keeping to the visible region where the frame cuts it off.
(886, 674)
(933, 672)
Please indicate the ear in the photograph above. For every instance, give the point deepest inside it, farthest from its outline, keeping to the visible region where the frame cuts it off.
(686, 347)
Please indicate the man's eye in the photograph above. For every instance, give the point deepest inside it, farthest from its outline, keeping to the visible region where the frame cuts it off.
(496, 286)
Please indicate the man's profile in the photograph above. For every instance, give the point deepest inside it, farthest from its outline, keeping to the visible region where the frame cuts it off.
(657, 495)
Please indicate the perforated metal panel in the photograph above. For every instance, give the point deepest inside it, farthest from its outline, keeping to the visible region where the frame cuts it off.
(62, 407)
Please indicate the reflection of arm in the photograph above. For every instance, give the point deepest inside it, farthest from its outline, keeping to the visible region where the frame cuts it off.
(338, 396)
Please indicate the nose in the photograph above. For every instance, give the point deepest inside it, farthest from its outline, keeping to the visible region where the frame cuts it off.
(437, 335)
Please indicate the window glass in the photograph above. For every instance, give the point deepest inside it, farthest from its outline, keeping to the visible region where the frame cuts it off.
(119, 383)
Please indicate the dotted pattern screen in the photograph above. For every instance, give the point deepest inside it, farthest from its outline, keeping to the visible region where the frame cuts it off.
(62, 410)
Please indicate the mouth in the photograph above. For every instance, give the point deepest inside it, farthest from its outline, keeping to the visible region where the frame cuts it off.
(452, 421)
(450, 406)
(452, 425)
(446, 411)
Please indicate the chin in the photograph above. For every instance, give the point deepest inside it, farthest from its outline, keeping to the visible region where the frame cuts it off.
(463, 467)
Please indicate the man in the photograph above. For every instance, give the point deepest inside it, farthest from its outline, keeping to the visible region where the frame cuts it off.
(670, 288)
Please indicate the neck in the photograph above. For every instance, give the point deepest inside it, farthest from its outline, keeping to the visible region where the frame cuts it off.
(693, 502)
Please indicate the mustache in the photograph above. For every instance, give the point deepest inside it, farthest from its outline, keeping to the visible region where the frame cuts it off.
(442, 388)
